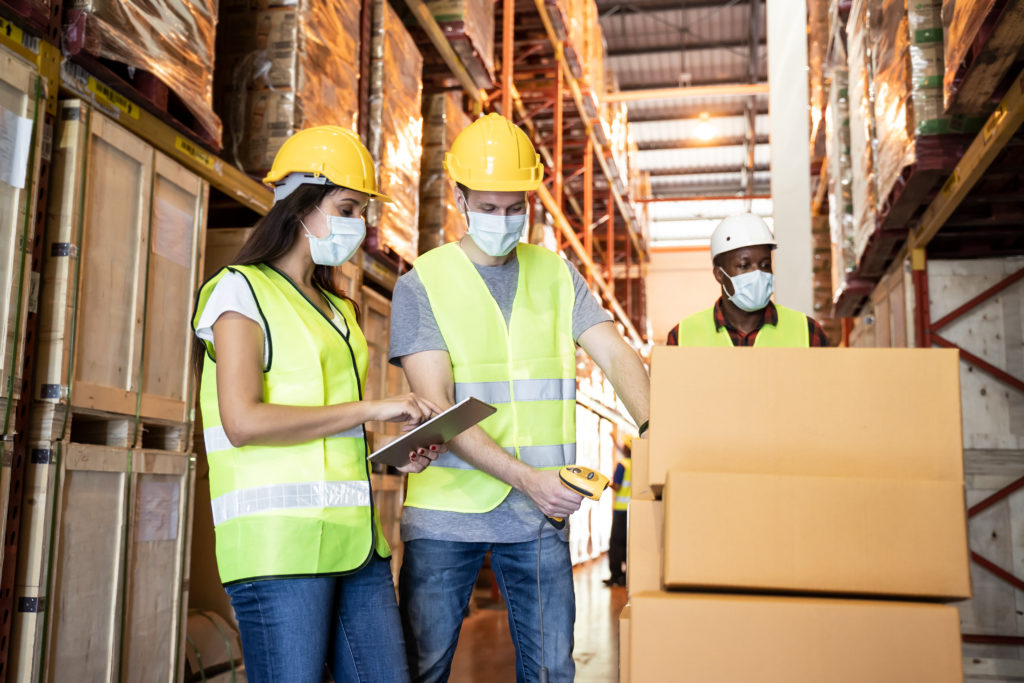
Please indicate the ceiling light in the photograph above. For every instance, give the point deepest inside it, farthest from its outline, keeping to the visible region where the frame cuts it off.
(704, 130)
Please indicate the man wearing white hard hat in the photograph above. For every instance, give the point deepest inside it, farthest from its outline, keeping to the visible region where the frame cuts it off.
(741, 253)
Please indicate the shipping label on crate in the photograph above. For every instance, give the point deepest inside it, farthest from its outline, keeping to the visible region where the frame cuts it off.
(15, 144)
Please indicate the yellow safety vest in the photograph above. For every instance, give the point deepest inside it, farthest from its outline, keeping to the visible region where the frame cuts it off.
(526, 369)
(790, 332)
(625, 488)
(306, 509)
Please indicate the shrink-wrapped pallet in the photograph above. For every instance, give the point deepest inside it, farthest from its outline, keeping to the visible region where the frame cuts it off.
(440, 220)
(862, 129)
(396, 128)
(469, 27)
(908, 70)
(284, 67)
(172, 39)
(840, 177)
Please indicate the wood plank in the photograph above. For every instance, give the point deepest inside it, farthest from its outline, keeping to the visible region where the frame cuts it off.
(18, 81)
(376, 325)
(109, 321)
(154, 581)
(176, 230)
(221, 246)
(87, 575)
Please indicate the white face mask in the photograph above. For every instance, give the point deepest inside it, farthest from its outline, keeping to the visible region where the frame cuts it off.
(751, 291)
(345, 236)
(496, 235)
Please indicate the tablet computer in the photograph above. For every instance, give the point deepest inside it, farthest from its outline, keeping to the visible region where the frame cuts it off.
(438, 429)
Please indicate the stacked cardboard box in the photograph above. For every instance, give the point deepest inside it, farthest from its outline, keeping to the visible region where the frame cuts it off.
(440, 220)
(283, 66)
(776, 550)
(840, 177)
(469, 27)
(396, 130)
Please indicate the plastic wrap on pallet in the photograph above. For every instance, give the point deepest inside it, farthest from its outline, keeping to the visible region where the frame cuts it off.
(172, 39)
(840, 191)
(961, 22)
(477, 18)
(817, 42)
(284, 67)
(440, 220)
(862, 131)
(396, 129)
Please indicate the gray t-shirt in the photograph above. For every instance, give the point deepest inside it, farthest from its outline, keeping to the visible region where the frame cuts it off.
(414, 329)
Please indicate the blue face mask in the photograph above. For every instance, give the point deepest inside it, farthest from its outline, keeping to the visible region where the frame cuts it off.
(751, 291)
(345, 236)
(495, 235)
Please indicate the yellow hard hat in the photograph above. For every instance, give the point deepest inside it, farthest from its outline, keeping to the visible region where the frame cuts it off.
(322, 154)
(492, 153)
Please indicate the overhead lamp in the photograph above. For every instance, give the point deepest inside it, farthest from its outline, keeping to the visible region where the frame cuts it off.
(704, 130)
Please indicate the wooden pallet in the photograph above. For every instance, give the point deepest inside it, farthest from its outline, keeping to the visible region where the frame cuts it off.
(40, 17)
(852, 295)
(108, 539)
(479, 69)
(117, 341)
(979, 59)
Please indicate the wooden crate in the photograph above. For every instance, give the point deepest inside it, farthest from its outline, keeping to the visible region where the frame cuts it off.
(115, 602)
(221, 246)
(892, 299)
(19, 81)
(94, 276)
(389, 497)
(376, 326)
(176, 227)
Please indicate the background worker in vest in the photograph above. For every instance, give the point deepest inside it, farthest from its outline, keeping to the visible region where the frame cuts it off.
(621, 484)
(741, 253)
(497, 319)
(299, 543)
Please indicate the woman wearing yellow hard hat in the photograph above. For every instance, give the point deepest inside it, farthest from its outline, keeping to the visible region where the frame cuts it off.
(299, 543)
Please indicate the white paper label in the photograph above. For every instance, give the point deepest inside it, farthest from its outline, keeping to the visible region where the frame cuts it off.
(15, 143)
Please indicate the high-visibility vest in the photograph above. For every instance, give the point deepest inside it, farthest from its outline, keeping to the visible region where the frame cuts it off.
(791, 331)
(305, 509)
(526, 369)
(625, 488)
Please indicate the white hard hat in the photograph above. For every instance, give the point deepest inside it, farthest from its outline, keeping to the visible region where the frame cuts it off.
(741, 230)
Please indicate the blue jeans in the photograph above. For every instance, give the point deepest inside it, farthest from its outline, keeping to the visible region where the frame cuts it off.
(291, 627)
(436, 583)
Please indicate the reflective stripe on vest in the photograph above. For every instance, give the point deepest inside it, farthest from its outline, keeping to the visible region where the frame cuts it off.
(791, 331)
(626, 487)
(526, 368)
(304, 509)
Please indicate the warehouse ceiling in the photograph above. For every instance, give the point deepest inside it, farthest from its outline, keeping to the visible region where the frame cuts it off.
(707, 147)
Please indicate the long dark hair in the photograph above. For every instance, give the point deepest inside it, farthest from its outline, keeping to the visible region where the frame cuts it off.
(272, 237)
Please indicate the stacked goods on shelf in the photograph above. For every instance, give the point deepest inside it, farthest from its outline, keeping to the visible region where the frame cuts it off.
(469, 27)
(583, 48)
(982, 42)
(396, 128)
(284, 66)
(170, 40)
(619, 140)
(41, 17)
(852, 542)
(107, 509)
(817, 45)
(440, 220)
(862, 129)
(21, 99)
(840, 177)
(115, 568)
(114, 343)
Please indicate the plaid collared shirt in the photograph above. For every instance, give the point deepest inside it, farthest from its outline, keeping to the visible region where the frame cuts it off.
(769, 316)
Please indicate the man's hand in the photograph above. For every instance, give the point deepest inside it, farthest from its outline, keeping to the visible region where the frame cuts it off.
(550, 496)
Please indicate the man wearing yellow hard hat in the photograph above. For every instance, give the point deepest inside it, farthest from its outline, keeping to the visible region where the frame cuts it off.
(741, 255)
(498, 319)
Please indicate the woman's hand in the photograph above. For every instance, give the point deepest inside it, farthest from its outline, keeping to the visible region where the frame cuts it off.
(421, 459)
(409, 408)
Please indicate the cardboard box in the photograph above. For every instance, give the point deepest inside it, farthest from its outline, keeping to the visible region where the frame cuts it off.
(624, 644)
(640, 478)
(778, 533)
(687, 637)
(862, 413)
(645, 546)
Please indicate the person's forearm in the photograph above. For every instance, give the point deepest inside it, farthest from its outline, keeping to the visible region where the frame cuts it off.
(270, 424)
(632, 384)
(478, 449)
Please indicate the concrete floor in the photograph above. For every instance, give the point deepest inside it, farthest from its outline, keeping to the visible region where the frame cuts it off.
(485, 650)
